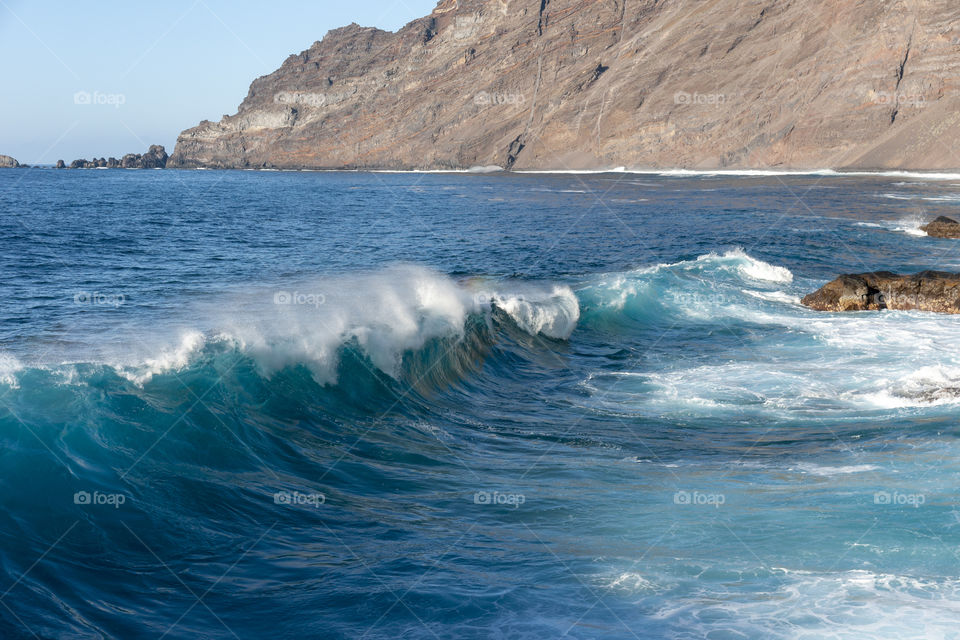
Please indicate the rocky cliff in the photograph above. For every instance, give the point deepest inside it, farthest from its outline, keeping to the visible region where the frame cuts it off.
(8, 162)
(602, 83)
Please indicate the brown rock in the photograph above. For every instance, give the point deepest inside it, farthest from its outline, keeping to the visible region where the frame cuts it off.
(603, 83)
(942, 227)
(7, 162)
(937, 291)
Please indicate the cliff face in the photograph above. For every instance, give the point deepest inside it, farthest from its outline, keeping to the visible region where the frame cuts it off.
(604, 83)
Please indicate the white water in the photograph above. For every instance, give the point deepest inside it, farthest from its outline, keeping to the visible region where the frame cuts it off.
(811, 362)
(385, 313)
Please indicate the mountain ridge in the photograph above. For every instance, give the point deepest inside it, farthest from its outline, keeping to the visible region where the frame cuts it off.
(592, 84)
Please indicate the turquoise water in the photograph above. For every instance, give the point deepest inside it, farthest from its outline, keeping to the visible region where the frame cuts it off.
(345, 405)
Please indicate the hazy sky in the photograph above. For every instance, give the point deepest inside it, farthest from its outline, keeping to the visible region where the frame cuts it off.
(150, 70)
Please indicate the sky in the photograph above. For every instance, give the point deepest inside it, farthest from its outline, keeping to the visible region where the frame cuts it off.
(109, 77)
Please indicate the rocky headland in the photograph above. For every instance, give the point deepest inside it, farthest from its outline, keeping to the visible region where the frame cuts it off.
(7, 162)
(937, 291)
(154, 158)
(573, 84)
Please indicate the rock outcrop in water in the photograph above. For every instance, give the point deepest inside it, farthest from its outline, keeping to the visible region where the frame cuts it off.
(154, 158)
(942, 227)
(937, 291)
(6, 162)
(568, 84)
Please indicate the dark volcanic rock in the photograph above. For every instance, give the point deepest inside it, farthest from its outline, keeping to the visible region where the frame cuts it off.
(60, 164)
(937, 291)
(942, 227)
(571, 84)
(6, 162)
(130, 161)
(154, 158)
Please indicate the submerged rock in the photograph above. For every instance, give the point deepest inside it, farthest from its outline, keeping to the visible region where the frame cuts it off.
(942, 227)
(937, 291)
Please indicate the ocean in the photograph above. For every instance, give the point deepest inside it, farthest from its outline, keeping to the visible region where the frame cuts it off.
(239, 404)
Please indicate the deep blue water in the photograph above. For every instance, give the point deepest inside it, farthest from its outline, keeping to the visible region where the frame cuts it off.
(349, 405)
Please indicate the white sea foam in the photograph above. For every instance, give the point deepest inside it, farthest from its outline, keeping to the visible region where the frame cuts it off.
(760, 270)
(774, 296)
(909, 225)
(898, 196)
(554, 313)
(844, 605)
(169, 359)
(630, 581)
(9, 368)
(926, 386)
(824, 470)
(818, 364)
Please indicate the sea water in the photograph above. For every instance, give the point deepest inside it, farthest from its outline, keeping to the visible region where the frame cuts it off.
(359, 405)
